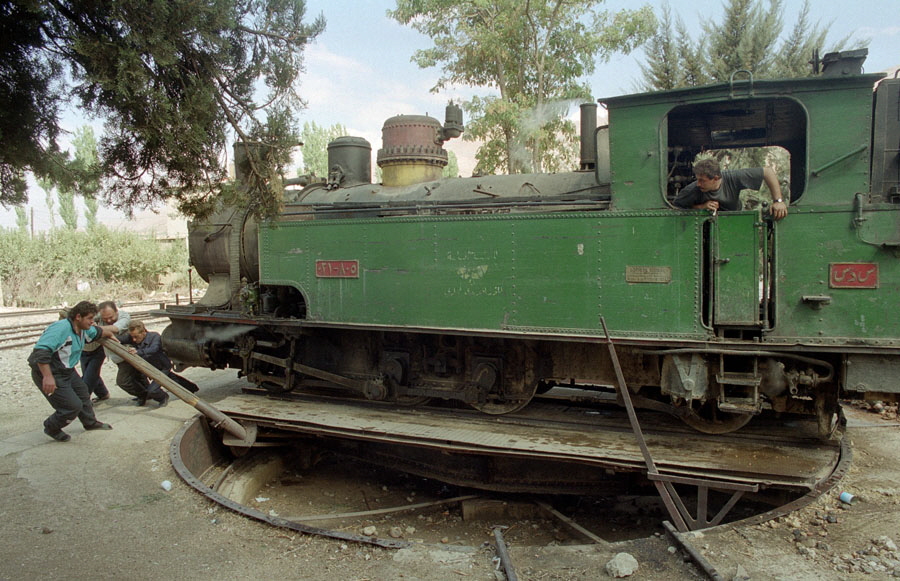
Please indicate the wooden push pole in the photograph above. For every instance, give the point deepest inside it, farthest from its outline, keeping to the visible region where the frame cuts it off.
(219, 420)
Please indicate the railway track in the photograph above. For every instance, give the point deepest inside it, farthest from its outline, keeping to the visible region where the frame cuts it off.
(55, 310)
(23, 335)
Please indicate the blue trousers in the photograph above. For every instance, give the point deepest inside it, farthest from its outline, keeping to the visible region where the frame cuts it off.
(70, 400)
(91, 364)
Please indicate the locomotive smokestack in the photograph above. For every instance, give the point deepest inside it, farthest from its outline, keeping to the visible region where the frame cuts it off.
(588, 136)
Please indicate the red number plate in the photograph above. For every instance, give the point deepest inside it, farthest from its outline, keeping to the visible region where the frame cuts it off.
(853, 275)
(337, 268)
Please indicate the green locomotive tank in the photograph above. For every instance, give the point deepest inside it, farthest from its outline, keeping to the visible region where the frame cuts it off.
(489, 289)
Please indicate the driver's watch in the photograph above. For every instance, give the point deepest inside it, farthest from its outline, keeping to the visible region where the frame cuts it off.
(778, 201)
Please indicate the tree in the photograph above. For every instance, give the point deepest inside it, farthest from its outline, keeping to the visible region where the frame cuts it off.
(86, 162)
(451, 170)
(673, 61)
(174, 82)
(748, 37)
(534, 53)
(315, 147)
(67, 211)
(21, 220)
(48, 186)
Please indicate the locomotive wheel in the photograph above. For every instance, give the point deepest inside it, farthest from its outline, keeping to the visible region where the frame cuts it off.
(709, 419)
(506, 393)
(496, 408)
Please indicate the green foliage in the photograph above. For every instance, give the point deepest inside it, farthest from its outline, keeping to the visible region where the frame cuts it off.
(47, 185)
(535, 54)
(29, 99)
(748, 37)
(86, 164)
(315, 140)
(60, 257)
(451, 170)
(67, 210)
(21, 220)
(175, 82)
(673, 59)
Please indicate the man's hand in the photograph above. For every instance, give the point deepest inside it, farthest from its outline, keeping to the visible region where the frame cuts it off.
(48, 386)
(711, 205)
(778, 210)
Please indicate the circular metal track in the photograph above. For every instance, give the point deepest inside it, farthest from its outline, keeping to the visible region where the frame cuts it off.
(199, 456)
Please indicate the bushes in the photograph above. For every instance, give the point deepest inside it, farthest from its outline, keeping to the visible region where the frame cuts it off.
(66, 266)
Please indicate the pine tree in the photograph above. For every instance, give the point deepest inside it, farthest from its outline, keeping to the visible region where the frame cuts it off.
(175, 83)
(749, 36)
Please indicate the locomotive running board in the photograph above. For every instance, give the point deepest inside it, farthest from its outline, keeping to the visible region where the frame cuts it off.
(664, 483)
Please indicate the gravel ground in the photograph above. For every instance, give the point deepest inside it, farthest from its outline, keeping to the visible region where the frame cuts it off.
(94, 508)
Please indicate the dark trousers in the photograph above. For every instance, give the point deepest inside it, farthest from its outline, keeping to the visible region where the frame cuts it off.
(70, 400)
(91, 364)
(131, 380)
(136, 383)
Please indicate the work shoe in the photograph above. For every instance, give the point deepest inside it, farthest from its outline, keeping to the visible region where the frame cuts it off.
(98, 399)
(164, 401)
(98, 426)
(59, 435)
(140, 401)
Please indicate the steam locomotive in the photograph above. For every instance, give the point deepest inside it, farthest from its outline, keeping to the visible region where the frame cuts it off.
(487, 290)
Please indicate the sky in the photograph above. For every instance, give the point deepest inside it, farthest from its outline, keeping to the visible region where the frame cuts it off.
(359, 72)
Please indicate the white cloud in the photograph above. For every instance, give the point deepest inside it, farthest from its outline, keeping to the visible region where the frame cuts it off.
(871, 31)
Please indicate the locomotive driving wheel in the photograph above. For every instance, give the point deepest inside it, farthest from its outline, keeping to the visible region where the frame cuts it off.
(504, 393)
(506, 405)
(709, 419)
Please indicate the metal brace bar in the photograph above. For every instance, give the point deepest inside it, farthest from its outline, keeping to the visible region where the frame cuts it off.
(665, 484)
(313, 372)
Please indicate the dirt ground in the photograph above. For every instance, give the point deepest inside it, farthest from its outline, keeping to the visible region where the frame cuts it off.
(95, 508)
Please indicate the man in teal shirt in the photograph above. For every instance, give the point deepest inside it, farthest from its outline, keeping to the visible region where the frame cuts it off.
(53, 361)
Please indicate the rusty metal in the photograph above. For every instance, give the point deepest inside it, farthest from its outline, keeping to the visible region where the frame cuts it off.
(219, 419)
(693, 553)
(821, 487)
(353, 384)
(196, 454)
(380, 511)
(503, 554)
(684, 521)
(577, 443)
(195, 451)
(571, 523)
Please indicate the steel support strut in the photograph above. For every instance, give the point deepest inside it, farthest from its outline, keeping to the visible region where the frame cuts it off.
(680, 513)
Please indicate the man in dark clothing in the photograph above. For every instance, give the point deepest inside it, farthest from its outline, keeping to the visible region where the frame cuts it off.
(53, 361)
(716, 190)
(128, 378)
(148, 346)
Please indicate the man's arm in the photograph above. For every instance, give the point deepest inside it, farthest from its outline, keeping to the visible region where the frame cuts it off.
(48, 384)
(98, 332)
(40, 356)
(687, 198)
(122, 321)
(152, 344)
(779, 208)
